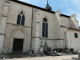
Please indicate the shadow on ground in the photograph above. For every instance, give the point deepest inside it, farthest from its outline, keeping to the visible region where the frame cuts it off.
(19, 55)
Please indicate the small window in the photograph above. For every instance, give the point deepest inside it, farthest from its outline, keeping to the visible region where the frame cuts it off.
(76, 35)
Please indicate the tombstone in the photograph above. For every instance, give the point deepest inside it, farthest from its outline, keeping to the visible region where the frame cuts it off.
(41, 47)
(45, 46)
(3, 58)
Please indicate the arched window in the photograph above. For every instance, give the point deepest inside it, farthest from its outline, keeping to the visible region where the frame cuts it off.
(45, 28)
(21, 18)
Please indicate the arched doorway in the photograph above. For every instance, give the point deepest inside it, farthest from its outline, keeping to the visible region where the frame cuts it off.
(18, 45)
(18, 41)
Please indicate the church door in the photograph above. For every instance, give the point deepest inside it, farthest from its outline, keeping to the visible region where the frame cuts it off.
(18, 45)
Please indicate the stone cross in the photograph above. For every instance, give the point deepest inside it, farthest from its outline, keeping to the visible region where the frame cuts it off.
(41, 44)
(45, 46)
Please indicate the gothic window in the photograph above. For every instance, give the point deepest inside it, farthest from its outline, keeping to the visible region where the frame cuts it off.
(45, 28)
(21, 18)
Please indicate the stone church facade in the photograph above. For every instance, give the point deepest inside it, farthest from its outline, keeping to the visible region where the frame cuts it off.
(24, 26)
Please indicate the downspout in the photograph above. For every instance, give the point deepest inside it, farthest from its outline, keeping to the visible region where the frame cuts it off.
(31, 29)
(65, 37)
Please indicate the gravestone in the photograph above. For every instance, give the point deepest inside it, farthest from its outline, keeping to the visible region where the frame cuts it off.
(45, 46)
(41, 47)
(3, 58)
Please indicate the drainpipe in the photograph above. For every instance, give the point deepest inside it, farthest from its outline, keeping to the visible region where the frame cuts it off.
(31, 29)
(65, 37)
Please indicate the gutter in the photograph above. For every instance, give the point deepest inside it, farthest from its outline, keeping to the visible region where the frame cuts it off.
(65, 36)
(31, 29)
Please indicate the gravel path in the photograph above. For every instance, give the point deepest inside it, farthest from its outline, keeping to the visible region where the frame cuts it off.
(46, 58)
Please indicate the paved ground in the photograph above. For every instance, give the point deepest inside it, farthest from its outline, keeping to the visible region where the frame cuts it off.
(46, 58)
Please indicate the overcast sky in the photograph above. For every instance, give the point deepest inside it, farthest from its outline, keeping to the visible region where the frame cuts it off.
(67, 7)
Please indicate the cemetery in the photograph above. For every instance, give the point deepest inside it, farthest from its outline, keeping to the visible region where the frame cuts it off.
(43, 51)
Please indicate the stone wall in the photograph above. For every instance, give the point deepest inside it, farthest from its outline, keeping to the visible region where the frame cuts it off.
(1, 7)
(57, 36)
(4, 8)
(17, 31)
(72, 41)
(65, 21)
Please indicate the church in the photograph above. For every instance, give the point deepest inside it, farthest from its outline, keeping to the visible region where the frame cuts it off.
(24, 26)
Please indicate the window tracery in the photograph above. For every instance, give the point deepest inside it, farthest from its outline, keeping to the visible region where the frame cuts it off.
(21, 18)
